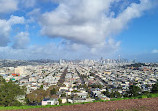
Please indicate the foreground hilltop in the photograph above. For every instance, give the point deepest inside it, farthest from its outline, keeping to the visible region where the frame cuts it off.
(147, 104)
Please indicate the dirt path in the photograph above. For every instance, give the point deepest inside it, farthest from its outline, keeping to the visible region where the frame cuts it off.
(148, 104)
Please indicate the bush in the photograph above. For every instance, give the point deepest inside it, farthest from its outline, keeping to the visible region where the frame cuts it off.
(149, 96)
(154, 88)
(152, 95)
(144, 96)
(60, 101)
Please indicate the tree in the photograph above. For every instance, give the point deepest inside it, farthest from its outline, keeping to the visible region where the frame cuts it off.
(133, 91)
(117, 94)
(96, 86)
(145, 92)
(154, 88)
(36, 96)
(2, 80)
(106, 93)
(60, 101)
(41, 87)
(63, 95)
(53, 91)
(9, 91)
(112, 95)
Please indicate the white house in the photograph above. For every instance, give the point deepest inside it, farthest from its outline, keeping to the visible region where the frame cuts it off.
(50, 102)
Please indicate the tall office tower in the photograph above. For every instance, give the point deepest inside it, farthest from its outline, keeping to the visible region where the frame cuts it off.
(101, 60)
(119, 58)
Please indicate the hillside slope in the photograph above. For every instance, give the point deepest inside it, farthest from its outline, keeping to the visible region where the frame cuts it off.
(147, 104)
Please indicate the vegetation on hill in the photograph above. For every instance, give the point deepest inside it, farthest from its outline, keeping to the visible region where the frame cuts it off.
(38, 95)
(154, 88)
(9, 92)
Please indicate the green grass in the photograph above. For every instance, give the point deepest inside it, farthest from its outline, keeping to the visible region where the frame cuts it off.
(40, 106)
(25, 107)
(48, 106)
(138, 97)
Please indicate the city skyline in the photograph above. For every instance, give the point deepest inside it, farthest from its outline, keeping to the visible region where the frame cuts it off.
(54, 29)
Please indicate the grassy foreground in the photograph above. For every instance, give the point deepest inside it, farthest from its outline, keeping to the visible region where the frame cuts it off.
(49, 106)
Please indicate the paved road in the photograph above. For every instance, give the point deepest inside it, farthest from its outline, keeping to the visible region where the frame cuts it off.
(96, 76)
(81, 78)
(62, 78)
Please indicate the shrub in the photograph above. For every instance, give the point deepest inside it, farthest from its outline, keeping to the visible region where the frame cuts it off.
(144, 96)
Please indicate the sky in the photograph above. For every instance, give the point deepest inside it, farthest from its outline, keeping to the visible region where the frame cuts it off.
(79, 29)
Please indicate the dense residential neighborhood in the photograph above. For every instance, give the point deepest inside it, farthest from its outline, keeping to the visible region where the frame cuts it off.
(80, 81)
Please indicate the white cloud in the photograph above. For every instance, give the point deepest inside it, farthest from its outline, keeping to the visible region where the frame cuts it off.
(4, 32)
(89, 22)
(27, 3)
(155, 51)
(78, 20)
(7, 6)
(64, 49)
(6, 26)
(33, 15)
(21, 40)
(16, 20)
(34, 12)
